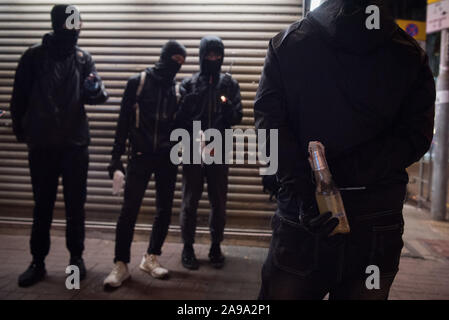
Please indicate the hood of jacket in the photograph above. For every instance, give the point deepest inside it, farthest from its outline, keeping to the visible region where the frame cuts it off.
(166, 68)
(343, 24)
(208, 44)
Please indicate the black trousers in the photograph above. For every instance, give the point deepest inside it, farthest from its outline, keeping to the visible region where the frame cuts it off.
(192, 189)
(301, 266)
(139, 171)
(46, 166)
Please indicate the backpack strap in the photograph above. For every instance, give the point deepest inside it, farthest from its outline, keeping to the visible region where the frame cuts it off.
(143, 75)
(177, 92)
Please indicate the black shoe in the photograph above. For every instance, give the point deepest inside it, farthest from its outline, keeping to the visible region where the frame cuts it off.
(189, 260)
(79, 262)
(216, 258)
(35, 273)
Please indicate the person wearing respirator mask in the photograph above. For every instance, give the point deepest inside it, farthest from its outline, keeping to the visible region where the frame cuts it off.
(146, 117)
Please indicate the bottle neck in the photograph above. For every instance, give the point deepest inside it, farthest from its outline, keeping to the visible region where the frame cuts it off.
(318, 160)
(323, 177)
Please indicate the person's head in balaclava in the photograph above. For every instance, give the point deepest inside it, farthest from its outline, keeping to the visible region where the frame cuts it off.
(211, 55)
(65, 34)
(172, 57)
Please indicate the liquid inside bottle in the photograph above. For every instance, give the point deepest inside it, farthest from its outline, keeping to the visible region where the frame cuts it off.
(327, 194)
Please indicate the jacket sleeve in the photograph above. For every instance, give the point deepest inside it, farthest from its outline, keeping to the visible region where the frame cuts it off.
(101, 95)
(22, 86)
(235, 116)
(270, 112)
(123, 126)
(183, 115)
(410, 136)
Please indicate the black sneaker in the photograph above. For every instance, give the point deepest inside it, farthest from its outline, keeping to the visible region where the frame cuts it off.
(216, 258)
(189, 260)
(35, 273)
(79, 262)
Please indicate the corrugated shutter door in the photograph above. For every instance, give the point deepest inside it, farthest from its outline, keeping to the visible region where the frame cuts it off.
(124, 37)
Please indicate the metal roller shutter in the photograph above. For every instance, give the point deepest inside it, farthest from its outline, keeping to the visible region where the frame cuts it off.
(124, 37)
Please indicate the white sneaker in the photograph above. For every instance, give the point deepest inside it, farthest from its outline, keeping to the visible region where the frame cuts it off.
(117, 276)
(150, 265)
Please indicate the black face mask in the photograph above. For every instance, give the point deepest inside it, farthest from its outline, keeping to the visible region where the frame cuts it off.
(167, 69)
(211, 67)
(66, 38)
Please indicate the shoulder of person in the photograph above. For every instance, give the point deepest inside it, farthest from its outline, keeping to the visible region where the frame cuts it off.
(187, 82)
(32, 51)
(82, 55)
(134, 80)
(228, 80)
(408, 46)
(278, 40)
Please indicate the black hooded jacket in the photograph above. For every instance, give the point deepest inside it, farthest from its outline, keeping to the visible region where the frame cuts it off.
(149, 128)
(47, 104)
(367, 95)
(201, 93)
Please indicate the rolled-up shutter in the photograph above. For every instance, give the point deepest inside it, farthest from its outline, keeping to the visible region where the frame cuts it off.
(124, 37)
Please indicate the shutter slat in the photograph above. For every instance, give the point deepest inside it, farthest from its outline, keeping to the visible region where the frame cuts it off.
(125, 37)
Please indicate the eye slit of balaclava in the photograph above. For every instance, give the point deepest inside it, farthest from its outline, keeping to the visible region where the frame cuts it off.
(167, 68)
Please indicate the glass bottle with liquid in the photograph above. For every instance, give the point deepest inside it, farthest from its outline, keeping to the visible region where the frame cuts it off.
(327, 194)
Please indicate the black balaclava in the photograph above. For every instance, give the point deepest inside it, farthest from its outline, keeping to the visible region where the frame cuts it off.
(207, 45)
(166, 68)
(342, 23)
(63, 39)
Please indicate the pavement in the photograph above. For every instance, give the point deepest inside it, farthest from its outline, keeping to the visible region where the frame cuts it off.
(424, 268)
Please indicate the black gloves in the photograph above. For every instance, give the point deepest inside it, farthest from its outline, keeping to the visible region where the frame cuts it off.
(92, 84)
(321, 225)
(94, 91)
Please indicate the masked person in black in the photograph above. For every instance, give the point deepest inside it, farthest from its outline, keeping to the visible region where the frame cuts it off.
(146, 117)
(368, 95)
(53, 81)
(214, 99)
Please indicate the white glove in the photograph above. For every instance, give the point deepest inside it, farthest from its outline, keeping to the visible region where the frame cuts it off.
(118, 182)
